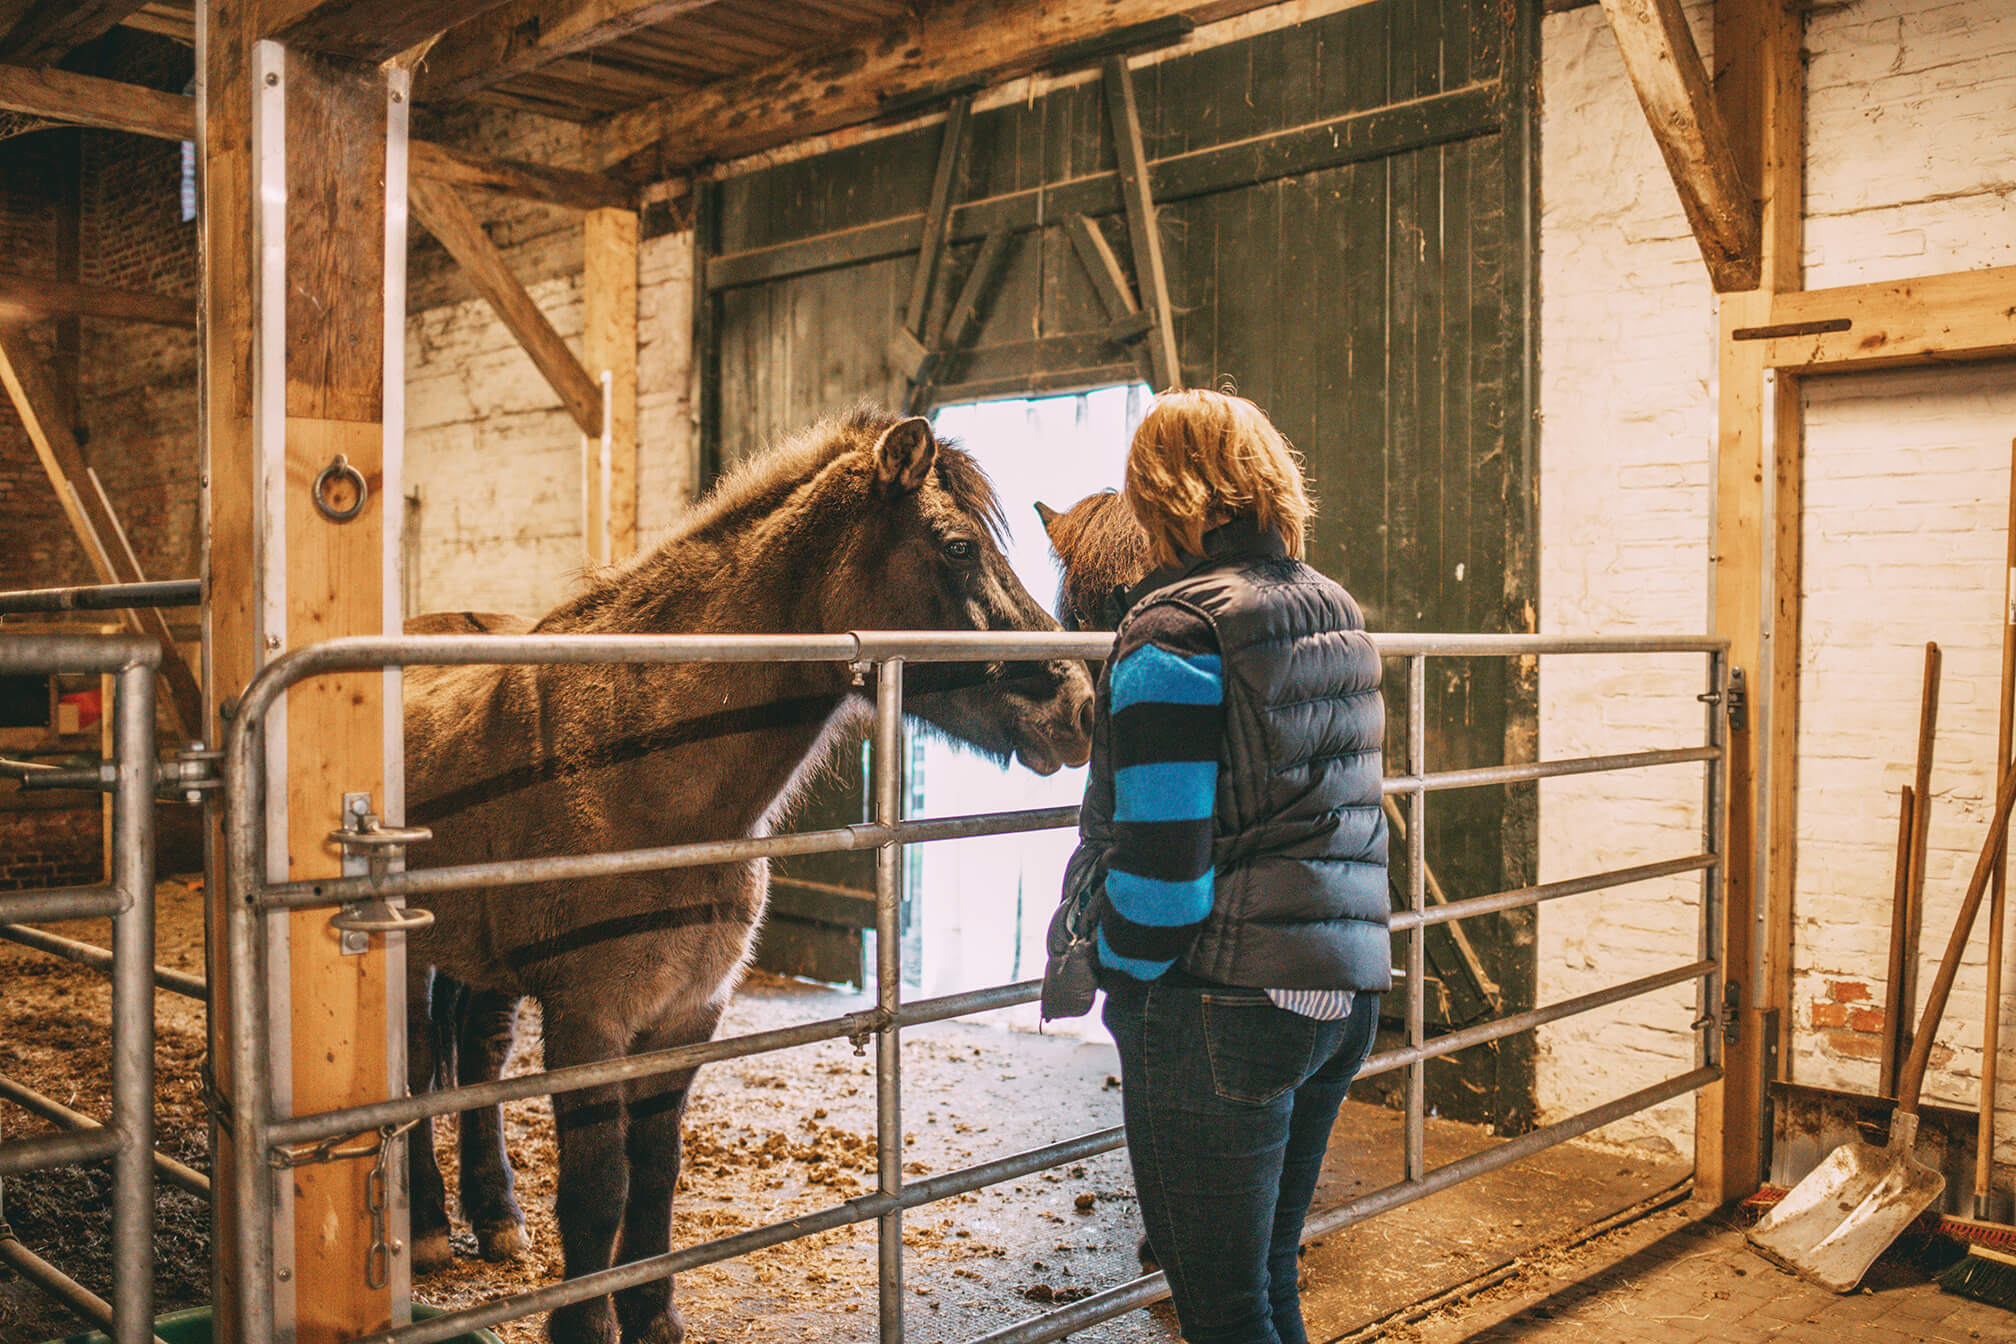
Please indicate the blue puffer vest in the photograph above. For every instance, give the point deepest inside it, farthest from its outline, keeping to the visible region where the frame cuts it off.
(1300, 894)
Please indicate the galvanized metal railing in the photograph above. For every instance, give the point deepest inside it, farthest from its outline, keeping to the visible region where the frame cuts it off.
(127, 1138)
(263, 1136)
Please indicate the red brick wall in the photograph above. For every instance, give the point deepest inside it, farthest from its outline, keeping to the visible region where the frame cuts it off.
(51, 848)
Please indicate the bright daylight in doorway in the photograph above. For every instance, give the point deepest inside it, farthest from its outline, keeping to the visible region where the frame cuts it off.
(983, 904)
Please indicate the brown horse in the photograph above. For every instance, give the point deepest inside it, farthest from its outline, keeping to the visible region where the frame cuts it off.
(1103, 552)
(862, 522)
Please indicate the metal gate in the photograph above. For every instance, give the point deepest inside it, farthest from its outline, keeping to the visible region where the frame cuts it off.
(127, 896)
(265, 1138)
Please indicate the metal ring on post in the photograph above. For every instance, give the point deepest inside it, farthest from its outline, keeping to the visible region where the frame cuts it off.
(380, 917)
(340, 468)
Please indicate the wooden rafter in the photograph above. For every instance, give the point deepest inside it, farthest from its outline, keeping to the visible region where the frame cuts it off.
(84, 503)
(443, 214)
(48, 32)
(965, 43)
(1665, 68)
(32, 296)
(366, 30)
(527, 35)
(909, 349)
(86, 100)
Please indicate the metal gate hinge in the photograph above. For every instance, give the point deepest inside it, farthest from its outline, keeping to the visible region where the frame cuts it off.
(370, 850)
(192, 772)
(1726, 1015)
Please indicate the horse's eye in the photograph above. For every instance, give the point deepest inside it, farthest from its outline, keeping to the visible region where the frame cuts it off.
(960, 549)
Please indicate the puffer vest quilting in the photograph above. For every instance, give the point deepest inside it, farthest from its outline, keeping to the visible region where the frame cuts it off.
(1300, 895)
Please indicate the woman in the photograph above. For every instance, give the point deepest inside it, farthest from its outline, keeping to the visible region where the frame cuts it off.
(1234, 797)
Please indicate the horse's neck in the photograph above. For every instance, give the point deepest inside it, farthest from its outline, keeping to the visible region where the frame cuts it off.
(765, 721)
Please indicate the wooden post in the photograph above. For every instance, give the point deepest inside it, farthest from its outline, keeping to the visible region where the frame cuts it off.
(1756, 579)
(1132, 157)
(305, 236)
(609, 348)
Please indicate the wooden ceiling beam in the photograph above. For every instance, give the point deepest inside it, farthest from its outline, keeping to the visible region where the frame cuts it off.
(48, 32)
(522, 36)
(1666, 69)
(443, 214)
(86, 100)
(26, 296)
(370, 31)
(959, 44)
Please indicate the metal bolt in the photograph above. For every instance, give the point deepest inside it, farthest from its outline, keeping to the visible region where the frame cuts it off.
(283, 1273)
(398, 97)
(271, 80)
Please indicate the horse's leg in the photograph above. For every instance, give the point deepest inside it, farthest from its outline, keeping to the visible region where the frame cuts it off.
(486, 1030)
(594, 1169)
(430, 1001)
(656, 1107)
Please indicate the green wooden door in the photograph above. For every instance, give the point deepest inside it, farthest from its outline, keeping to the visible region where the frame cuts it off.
(1345, 210)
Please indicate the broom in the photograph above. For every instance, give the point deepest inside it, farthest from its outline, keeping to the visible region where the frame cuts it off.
(1984, 1274)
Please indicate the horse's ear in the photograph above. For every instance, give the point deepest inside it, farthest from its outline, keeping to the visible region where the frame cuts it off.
(1047, 514)
(904, 454)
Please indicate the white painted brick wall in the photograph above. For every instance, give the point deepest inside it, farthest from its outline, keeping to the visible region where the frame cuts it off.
(1911, 134)
(496, 463)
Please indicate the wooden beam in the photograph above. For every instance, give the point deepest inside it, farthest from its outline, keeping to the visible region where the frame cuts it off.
(1756, 564)
(1665, 68)
(910, 351)
(369, 31)
(444, 215)
(1163, 362)
(108, 104)
(50, 31)
(31, 296)
(568, 187)
(962, 44)
(609, 347)
(1932, 319)
(84, 503)
(527, 35)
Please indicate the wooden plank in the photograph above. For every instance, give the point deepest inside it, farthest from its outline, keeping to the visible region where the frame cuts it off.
(1108, 280)
(609, 347)
(1933, 319)
(103, 541)
(366, 31)
(964, 43)
(107, 104)
(931, 249)
(444, 215)
(1459, 114)
(526, 35)
(1665, 68)
(50, 31)
(26, 296)
(568, 187)
(1138, 196)
(232, 644)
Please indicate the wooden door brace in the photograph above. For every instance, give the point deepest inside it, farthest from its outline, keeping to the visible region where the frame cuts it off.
(950, 336)
(1139, 203)
(909, 351)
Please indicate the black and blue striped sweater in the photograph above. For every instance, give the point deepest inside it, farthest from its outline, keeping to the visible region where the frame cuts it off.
(1166, 701)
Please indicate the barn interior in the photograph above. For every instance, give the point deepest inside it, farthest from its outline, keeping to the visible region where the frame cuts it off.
(1650, 361)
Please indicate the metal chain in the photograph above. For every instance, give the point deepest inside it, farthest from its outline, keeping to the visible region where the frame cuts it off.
(377, 1200)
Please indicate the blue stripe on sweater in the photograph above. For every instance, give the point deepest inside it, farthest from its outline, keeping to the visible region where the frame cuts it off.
(1166, 791)
(1145, 900)
(1134, 966)
(1151, 673)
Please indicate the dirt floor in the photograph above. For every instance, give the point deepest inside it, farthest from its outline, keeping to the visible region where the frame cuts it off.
(774, 1137)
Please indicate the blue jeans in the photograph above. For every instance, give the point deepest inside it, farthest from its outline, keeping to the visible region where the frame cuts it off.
(1228, 1101)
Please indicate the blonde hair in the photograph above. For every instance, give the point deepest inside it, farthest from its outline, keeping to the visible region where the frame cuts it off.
(1200, 459)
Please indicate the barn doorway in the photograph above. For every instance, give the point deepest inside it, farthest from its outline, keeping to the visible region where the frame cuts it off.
(978, 908)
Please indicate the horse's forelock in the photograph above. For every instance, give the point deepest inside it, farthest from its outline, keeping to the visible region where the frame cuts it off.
(970, 489)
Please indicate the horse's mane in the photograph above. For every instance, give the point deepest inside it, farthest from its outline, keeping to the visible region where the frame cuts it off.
(1102, 548)
(762, 481)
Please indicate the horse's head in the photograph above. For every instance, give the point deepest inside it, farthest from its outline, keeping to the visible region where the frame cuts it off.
(1103, 551)
(919, 548)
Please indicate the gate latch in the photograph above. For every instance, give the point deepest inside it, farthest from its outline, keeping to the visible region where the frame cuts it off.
(371, 850)
(1726, 1014)
(1738, 700)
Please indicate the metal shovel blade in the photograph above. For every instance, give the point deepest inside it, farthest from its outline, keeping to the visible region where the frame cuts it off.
(1831, 1226)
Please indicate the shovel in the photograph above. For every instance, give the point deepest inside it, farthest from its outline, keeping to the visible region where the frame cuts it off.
(1848, 1210)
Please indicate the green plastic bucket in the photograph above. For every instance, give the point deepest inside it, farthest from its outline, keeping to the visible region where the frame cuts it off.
(192, 1326)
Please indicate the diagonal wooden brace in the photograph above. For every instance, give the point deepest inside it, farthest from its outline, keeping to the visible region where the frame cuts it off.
(1135, 194)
